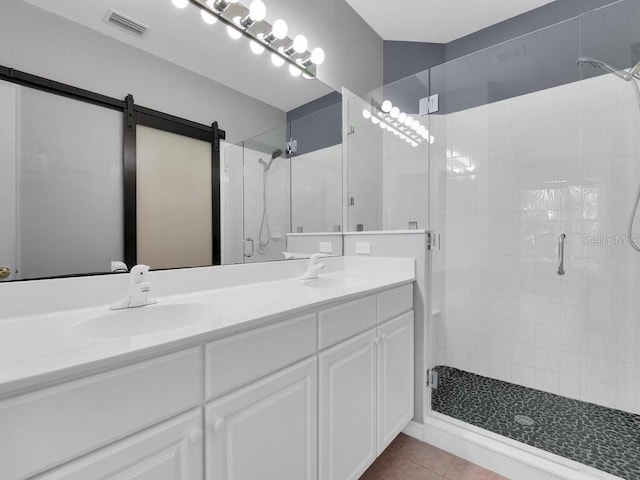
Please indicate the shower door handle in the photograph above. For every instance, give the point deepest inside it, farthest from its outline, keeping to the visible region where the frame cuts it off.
(561, 239)
(249, 255)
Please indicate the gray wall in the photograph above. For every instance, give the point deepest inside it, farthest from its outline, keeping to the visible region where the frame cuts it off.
(528, 22)
(353, 48)
(316, 125)
(402, 59)
(44, 44)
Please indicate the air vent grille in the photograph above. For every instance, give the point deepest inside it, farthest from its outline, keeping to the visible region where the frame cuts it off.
(126, 23)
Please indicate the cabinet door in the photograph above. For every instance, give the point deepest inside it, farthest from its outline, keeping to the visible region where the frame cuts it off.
(267, 430)
(395, 378)
(170, 451)
(348, 408)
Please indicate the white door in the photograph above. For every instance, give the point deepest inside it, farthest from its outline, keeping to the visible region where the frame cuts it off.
(395, 378)
(8, 182)
(348, 408)
(171, 451)
(266, 431)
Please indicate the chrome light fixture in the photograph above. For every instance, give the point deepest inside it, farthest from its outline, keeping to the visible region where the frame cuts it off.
(250, 22)
(390, 118)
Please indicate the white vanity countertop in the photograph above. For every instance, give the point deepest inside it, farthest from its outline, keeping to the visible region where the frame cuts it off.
(40, 348)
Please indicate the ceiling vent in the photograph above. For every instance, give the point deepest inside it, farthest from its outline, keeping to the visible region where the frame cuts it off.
(126, 23)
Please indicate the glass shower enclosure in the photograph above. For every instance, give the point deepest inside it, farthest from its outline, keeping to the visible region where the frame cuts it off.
(529, 173)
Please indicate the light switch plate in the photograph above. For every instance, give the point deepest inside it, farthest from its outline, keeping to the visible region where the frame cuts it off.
(363, 248)
(325, 247)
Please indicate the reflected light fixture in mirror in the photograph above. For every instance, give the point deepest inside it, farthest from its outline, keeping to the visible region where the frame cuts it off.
(250, 22)
(404, 126)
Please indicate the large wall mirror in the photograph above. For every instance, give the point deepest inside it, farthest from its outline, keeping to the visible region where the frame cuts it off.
(179, 148)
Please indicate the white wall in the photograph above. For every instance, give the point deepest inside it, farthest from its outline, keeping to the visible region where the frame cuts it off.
(510, 177)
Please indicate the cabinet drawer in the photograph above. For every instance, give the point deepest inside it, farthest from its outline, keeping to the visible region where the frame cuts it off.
(45, 428)
(238, 360)
(344, 321)
(172, 450)
(395, 302)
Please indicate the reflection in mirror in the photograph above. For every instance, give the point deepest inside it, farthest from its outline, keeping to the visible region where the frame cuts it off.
(388, 153)
(68, 192)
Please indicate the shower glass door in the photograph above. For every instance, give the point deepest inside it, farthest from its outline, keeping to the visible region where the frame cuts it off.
(267, 196)
(537, 160)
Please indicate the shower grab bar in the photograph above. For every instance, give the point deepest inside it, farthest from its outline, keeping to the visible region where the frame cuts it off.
(253, 249)
(561, 239)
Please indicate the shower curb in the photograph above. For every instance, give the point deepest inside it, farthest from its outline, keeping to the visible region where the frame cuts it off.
(508, 458)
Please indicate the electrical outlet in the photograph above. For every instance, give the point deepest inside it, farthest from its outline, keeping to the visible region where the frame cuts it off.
(363, 248)
(325, 247)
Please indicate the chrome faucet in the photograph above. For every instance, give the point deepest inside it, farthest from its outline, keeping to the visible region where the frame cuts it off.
(139, 288)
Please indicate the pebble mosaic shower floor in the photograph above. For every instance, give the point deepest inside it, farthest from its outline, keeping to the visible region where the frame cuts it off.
(600, 437)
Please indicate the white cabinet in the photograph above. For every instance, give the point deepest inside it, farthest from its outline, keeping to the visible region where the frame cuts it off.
(395, 378)
(267, 430)
(366, 397)
(348, 408)
(170, 451)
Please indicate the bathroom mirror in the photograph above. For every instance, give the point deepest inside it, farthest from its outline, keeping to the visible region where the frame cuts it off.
(65, 202)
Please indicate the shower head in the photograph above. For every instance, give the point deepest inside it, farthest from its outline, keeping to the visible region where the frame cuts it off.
(277, 153)
(593, 63)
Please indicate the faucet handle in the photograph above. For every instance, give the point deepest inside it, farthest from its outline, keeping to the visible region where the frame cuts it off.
(315, 258)
(138, 274)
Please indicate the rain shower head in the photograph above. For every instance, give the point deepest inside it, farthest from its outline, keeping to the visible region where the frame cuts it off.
(594, 63)
(277, 153)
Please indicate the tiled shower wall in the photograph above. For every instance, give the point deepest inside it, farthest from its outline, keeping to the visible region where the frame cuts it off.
(506, 179)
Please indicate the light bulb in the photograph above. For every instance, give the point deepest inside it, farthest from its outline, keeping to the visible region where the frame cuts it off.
(317, 56)
(425, 134)
(396, 132)
(256, 47)
(431, 140)
(294, 71)
(386, 106)
(402, 117)
(395, 111)
(257, 10)
(414, 144)
(232, 32)
(280, 29)
(408, 121)
(375, 120)
(206, 16)
(366, 113)
(180, 3)
(277, 60)
(415, 125)
(300, 43)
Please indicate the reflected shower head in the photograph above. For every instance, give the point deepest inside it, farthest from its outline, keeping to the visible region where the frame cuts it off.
(275, 154)
(594, 63)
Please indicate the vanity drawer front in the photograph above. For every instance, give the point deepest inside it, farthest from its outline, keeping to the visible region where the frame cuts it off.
(343, 321)
(48, 427)
(240, 359)
(395, 302)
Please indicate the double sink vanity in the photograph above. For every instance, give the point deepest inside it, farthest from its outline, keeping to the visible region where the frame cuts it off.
(239, 372)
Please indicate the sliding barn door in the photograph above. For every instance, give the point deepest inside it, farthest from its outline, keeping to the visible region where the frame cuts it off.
(173, 199)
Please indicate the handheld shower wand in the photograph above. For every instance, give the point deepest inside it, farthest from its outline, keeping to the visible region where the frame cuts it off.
(264, 235)
(633, 76)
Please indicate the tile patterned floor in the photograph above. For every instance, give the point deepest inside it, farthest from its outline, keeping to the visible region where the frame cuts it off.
(409, 459)
(597, 436)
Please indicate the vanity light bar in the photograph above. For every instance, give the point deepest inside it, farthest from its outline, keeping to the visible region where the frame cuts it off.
(250, 22)
(390, 118)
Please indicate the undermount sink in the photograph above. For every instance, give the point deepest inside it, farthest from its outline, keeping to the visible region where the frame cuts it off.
(146, 320)
(335, 282)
